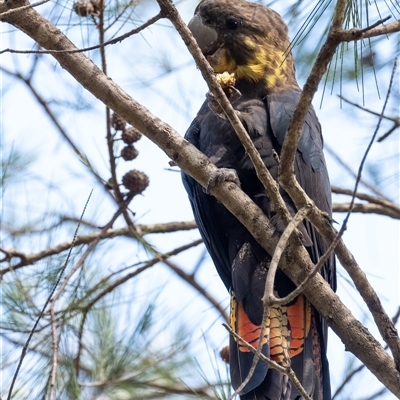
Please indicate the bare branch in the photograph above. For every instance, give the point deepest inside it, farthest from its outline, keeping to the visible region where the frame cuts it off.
(116, 40)
(363, 196)
(269, 297)
(28, 259)
(389, 132)
(54, 363)
(361, 33)
(355, 371)
(347, 168)
(4, 13)
(366, 209)
(377, 114)
(378, 205)
(148, 264)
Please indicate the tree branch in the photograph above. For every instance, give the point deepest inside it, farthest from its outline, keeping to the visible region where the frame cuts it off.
(4, 11)
(360, 33)
(147, 264)
(363, 196)
(366, 209)
(28, 259)
(102, 44)
(347, 168)
(377, 205)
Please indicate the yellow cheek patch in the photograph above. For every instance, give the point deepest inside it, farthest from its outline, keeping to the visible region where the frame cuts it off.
(265, 63)
(271, 80)
(226, 64)
(251, 71)
(250, 43)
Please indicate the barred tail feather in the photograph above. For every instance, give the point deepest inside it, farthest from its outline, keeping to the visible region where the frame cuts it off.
(291, 338)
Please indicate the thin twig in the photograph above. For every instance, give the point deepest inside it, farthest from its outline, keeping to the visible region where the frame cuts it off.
(363, 196)
(351, 35)
(148, 264)
(365, 209)
(46, 107)
(364, 158)
(19, 9)
(355, 371)
(28, 259)
(347, 168)
(300, 288)
(54, 364)
(190, 279)
(98, 46)
(269, 298)
(377, 114)
(389, 132)
(377, 395)
(377, 23)
(348, 378)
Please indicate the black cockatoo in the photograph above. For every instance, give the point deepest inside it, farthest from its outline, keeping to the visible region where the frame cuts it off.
(249, 44)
